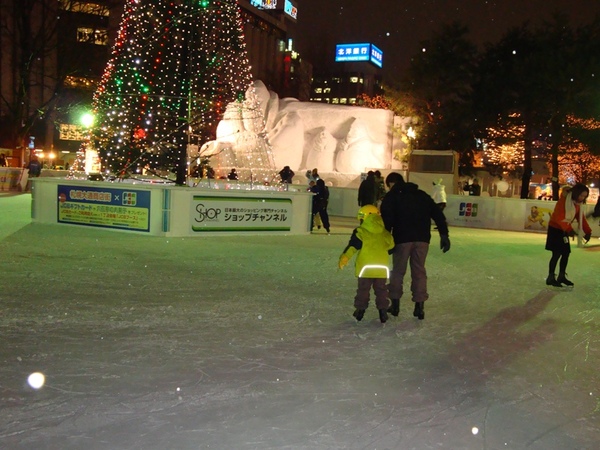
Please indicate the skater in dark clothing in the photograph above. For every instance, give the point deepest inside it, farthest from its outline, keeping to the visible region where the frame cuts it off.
(319, 204)
(561, 227)
(371, 243)
(407, 212)
(367, 191)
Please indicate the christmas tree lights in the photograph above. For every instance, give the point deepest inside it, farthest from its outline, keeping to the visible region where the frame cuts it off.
(175, 66)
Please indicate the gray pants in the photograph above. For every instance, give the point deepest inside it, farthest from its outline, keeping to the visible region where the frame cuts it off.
(361, 300)
(416, 254)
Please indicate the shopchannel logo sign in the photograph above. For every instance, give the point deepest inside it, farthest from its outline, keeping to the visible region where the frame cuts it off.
(467, 209)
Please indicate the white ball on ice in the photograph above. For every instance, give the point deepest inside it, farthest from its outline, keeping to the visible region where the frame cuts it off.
(36, 380)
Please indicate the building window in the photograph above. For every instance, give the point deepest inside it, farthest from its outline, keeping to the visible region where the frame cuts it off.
(353, 79)
(327, 90)
(84, 7)
(318, 90)
(343, 101)
(353, 101)
(92, 36)
(335, 101)
(71, 132)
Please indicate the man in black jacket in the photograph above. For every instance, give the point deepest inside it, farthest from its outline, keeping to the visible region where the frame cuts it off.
(407, 212)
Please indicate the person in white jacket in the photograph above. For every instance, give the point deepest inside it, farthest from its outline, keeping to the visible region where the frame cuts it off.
(439, 193)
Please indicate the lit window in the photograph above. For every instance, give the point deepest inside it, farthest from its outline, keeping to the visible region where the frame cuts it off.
(335, 100)
(343, 101)
(318, 90)
(84, 7)
(92, 36)
(327, 90)
(353, 79)
(352, 101)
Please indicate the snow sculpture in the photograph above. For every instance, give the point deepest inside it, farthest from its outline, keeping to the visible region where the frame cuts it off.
(335, 139)
(242, 143)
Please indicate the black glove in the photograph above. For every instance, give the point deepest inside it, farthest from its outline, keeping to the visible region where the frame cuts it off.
(587, 238)
(444, 243)
(571, 233)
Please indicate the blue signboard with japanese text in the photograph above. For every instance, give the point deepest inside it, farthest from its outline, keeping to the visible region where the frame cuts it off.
(127, 209)
(359, 52)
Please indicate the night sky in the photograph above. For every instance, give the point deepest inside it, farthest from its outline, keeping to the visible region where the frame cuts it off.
(398, 26)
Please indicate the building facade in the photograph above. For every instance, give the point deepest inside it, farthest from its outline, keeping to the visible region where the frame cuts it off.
(55, 52)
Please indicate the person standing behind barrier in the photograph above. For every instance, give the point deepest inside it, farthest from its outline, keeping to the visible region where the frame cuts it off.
(367, 191)
(287, 175)
(34, 166)
(371, 243)
(312, 175)
(319, 204)
(439, 194)
(2, 160)
(561, 227)
(407, 212)
(233, 175)
(475, 188)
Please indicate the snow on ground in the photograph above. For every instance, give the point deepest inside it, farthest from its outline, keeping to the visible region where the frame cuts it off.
(247, 342)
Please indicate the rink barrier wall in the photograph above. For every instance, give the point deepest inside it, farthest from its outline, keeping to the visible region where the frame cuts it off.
(167, 210)
(495, 213)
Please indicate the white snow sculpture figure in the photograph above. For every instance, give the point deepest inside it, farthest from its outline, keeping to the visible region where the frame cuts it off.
(242, 142)
(287, 140)
(320, 148)
(358, 152)
(304, 135)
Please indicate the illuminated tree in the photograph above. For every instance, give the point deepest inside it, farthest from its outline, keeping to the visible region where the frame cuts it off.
(576, 162)
(174, 68)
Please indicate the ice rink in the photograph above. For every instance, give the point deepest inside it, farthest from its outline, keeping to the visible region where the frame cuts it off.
(248, 342)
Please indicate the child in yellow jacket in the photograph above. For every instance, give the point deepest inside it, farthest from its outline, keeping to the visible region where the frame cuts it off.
(371, 242)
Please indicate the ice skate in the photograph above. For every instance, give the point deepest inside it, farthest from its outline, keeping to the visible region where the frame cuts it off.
(358, 314)
(394, 309)
(562, 278)
(383, 317)
(552, 281)
(419, 310)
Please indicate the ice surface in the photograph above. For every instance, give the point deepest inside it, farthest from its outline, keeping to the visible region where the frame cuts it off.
(247, 342)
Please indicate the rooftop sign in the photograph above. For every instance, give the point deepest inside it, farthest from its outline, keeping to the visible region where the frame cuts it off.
(359, 52)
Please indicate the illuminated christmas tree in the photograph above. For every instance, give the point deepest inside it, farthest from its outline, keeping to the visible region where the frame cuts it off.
(174, 68)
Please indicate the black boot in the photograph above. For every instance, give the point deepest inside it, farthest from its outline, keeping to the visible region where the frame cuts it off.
(552, 281)
(394, 310)
(383, 315)
(419, 310)
(562, 278)
(358, 314)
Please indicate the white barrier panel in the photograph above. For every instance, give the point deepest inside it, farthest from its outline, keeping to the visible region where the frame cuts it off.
(496, 213)
(12, 179)
(167, 210)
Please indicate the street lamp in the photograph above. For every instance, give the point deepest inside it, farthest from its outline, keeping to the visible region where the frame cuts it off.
(87, 120)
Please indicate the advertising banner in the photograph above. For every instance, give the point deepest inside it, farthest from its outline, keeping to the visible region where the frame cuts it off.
(241, 214)
(126, 209)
